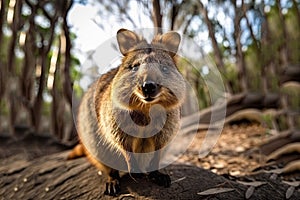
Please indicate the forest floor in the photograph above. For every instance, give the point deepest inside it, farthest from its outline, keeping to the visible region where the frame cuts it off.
(35, 166)
(235, 153)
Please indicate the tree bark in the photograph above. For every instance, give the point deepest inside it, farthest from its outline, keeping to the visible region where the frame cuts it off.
(239, 55)
(68, 83)
(2, 14)
(284, 50)
(265, 41)
(295, 6)
(3, 68)
(157, 16)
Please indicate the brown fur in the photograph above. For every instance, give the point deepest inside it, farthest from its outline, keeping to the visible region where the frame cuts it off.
(77, 152)
(106, 105)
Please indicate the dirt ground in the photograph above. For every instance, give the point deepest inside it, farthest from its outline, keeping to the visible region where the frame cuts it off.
(235, 153)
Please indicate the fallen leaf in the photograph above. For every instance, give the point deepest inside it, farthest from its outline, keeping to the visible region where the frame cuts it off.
(215, 191)
(180, 179)
(289, 192)
(249, 192)
(254, 183)
(234, 173)
(273, 176)
(219, 165)
(206, 165)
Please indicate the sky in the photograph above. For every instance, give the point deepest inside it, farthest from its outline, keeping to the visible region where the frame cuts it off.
(83, 20)
(89, 34)
(92, 45)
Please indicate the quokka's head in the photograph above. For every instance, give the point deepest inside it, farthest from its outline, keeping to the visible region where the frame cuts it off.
(148, 74)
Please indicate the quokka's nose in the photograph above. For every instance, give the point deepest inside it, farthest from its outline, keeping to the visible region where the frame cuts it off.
(149, 88)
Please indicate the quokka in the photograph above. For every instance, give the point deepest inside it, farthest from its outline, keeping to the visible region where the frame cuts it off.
(115, 116)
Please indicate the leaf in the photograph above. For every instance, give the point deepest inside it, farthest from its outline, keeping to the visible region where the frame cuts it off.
(215, 191)
(273, 176)
(289, 192)
(180, 179)
(254, 183)
(249, 192)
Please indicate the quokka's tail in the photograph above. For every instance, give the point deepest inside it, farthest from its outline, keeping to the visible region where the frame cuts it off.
(77, 152)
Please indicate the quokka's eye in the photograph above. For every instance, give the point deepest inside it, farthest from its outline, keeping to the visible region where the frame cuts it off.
(164, 69)
(134, 68)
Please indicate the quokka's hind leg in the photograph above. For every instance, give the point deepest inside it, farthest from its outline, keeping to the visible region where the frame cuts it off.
(113, 181)
(112, 187)
(157, 177)
(77, 152)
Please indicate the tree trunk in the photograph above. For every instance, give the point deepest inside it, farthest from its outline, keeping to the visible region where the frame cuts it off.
(265, 60)
(217, 52)
(37, 105)
(157, 16)
(3, 68)
(240, 60)
(2, 14)
(68, 83)
(284, 50)
(211, 32)
(296, 7)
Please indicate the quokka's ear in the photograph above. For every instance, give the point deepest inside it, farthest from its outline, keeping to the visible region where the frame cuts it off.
(126, 40)
(171, 41)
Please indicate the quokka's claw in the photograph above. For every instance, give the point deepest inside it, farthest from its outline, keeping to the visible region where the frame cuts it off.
(112, 188)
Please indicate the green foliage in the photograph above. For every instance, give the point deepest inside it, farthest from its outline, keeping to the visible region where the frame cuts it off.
(46, 108)
(282, 122)
(292, 95)
(267, 118)
(19, 65)
(4, 110)
(293, 31)
(75, 72)
(4, 47)
(77, 90)
(231, 75)
(191, 71)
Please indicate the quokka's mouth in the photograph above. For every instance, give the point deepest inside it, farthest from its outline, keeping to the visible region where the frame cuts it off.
(148, 99)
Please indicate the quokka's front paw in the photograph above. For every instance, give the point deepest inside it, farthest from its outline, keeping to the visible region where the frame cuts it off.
(112, 187)
(160, 178)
